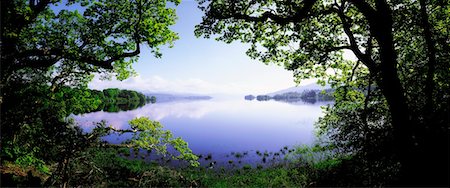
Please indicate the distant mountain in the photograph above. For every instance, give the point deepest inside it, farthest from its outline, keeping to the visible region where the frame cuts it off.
(164, 97)
(300, 89)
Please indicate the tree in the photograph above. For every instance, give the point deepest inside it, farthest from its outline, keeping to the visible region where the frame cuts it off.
(153, 99)
(396, 43)
(76, 38)
(50, 50)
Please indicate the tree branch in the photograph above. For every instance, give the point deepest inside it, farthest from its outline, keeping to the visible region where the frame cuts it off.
(365, 9)
(38, 63)
(106, 64)
(24, 58)
(298, 16)
(37, 8)
(431, 54)
(337, 48)
(121, 131)
(364, 58)
(39, 52)
(332, 49)
(353, 71)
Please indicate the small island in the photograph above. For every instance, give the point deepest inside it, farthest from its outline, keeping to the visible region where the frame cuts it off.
(109, 100)
(308, 96)
(249, 97)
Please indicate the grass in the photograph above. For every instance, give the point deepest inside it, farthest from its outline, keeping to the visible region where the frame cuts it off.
(253, 177)
(114, 170)
(301, 172)
(106, 168)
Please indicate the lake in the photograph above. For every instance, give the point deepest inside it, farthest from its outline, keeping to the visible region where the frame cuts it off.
(223, 127)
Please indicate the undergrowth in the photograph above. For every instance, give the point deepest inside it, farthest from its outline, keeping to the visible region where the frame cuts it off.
(105, 168)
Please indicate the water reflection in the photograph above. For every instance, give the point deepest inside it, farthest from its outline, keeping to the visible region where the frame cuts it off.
(156, 111)
(219, 127)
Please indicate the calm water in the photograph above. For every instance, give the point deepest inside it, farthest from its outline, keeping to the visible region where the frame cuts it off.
(220, 127)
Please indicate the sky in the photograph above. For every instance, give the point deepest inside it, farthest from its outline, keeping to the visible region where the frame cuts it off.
(201, 66)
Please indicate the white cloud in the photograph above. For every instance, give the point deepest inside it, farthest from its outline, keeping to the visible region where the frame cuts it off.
(160, 84)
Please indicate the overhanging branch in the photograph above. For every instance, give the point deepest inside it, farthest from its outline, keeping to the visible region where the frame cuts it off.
(44, 61)
(364, 58)
(282, 20)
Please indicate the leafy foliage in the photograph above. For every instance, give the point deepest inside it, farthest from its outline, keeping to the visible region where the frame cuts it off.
(51, 49)
(77, 38)
(103, 167)
(387, 102)
(51, 143)
(150, 136)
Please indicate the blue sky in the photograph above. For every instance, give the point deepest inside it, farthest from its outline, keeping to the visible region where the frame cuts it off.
(201, 66)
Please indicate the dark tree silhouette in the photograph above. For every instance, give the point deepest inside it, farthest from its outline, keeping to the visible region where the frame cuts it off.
(395, 41)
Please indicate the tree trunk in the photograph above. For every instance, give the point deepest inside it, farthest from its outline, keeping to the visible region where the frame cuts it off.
(434, 137)
(431, 51)
(401, 122)
(403, 126)
(421, 152)
(389, 81)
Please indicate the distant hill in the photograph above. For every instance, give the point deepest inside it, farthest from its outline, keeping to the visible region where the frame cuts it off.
(300, 89)
(310, 93)
(164, 97)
